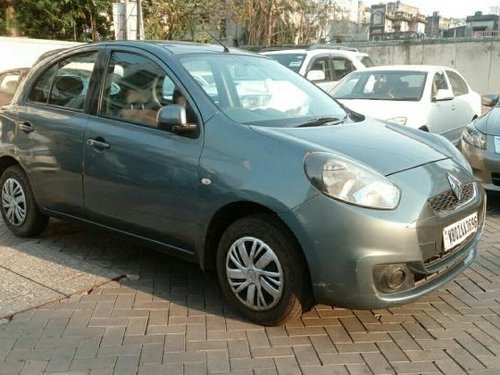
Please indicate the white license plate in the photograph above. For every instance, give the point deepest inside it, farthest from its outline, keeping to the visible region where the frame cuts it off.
(456, 233)
(497, 145)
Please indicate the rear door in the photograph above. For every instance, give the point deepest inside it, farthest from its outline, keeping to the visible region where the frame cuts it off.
(51, 123)
(139, 178)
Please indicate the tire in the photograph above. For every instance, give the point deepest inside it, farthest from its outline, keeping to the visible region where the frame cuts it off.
(280, 294)
(19, 209)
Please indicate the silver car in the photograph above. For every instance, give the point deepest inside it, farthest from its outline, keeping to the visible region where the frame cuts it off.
(480, 144)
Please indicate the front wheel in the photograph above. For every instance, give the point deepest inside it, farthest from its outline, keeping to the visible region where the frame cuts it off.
(19, 209)
(261, 270)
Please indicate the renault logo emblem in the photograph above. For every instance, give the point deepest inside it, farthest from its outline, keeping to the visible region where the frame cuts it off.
(456, 186)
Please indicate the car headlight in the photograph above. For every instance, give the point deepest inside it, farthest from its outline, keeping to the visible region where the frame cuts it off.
(474, 137)
(351, 182)
(401, 120)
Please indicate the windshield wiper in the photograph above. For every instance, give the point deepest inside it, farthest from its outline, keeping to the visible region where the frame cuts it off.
(318, 121)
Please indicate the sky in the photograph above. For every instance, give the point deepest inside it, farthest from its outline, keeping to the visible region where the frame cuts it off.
(447, 8)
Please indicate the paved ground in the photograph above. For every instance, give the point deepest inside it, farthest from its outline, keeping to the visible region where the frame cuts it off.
(166, 317)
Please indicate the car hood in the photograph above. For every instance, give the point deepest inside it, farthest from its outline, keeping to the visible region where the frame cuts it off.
(490, 122)
(384, 109)
(386, 148)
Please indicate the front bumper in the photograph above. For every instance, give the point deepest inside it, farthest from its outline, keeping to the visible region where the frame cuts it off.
(344, 244)
(485, 163)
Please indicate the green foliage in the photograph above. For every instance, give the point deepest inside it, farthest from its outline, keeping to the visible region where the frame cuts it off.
(181, 19)
(62, 19)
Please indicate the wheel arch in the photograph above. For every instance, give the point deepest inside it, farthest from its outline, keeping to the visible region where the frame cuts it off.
(6, 162)
(227, 215)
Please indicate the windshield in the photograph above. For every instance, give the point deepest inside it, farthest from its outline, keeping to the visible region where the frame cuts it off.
(381, 85)
(292, 61)
(259, 91)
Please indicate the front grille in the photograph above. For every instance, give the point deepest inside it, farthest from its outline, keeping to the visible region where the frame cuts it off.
(447, 201)
(495, 178)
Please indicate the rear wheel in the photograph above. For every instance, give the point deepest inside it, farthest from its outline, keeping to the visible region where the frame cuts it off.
(261, 271)
(19, 209)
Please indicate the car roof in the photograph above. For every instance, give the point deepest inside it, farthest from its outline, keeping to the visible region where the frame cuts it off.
(416, 68)
(173, 47)
(315, 51)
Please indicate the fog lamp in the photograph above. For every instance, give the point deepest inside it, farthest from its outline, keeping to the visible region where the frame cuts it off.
(391, 278)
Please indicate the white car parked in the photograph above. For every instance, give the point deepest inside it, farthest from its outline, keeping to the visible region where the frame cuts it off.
(431, 98)
(322, 64)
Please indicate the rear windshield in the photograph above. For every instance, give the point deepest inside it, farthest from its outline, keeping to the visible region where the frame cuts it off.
(292, 61)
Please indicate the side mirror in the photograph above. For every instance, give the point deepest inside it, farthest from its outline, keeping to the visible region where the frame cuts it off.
(316, 75)
(443, 94)
(489, 100)
(173, 118)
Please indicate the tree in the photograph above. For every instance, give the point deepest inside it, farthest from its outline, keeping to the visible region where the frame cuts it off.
(181, 19)
(269, 22)
(62, 19)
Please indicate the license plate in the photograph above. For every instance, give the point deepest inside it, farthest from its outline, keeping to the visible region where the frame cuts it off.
(497, 145)
(458, 232)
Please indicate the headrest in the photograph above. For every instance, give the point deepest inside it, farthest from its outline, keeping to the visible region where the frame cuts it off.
(69, 85)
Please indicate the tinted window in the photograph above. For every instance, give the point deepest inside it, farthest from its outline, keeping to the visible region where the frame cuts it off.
(41, 90)
(292, 61)
(457, 83)
(71, 82)
(65, 84)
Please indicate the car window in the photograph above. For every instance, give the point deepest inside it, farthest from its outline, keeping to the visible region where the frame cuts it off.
(41, 89)
(439, 83)
(322, 63)
(9, 82)
(382, 85)
(136, 88)
(8, 85)
(65, 84)
(366, 61)
(292, 61)
(341, 67)
(457, 83)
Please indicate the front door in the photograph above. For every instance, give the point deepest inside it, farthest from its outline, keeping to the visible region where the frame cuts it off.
(139, 178)
(443, 117)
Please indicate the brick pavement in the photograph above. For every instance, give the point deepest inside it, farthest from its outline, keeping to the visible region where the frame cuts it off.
(167, 317)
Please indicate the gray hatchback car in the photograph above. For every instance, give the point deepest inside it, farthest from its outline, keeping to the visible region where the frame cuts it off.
(226, 159)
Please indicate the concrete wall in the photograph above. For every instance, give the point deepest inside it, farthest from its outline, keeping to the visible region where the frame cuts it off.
(23, 52)
(477, 59)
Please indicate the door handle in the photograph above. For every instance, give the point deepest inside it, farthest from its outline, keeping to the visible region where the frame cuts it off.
(25, 126)
(98, 144)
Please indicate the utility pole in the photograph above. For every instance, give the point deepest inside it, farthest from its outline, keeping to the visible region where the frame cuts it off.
(140, 21)
(125, 20)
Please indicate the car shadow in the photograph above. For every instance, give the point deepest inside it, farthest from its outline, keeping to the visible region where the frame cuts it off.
(68, 259)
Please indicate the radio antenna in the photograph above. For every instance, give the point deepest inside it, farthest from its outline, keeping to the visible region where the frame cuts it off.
(226, 50)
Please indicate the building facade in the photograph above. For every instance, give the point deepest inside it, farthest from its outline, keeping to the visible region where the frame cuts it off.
(396, 20)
